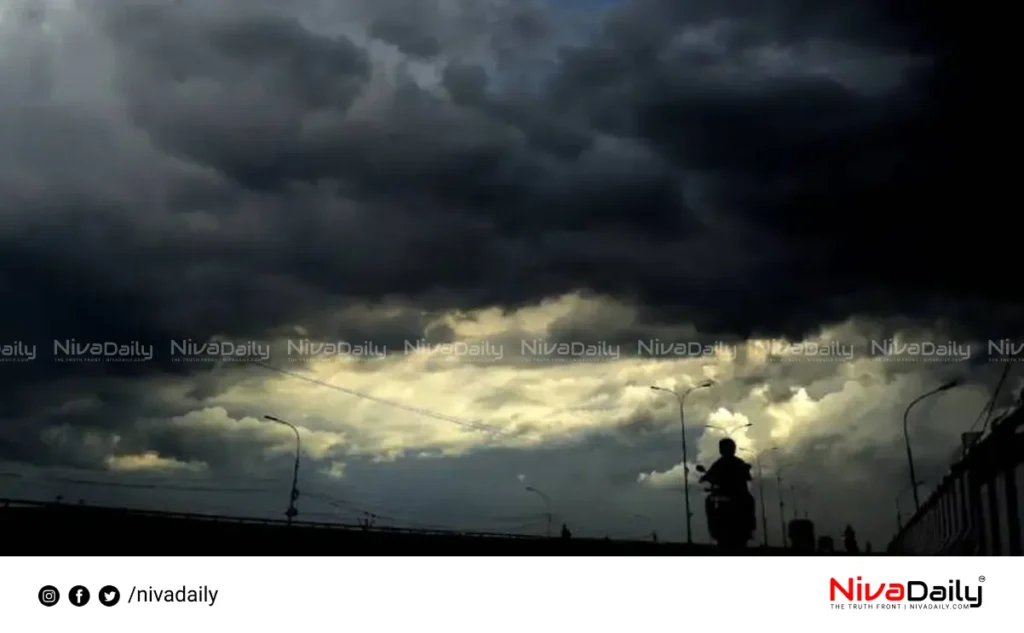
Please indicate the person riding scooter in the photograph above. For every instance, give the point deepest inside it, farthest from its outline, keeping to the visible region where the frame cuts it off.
(730, 474)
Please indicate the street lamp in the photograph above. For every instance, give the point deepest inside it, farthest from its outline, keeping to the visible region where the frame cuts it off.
(906, 435)
(547, 506)
(291, 513)
(760, 493)
(728, 432)
(681, 399)
(782, 504)
(899, 513)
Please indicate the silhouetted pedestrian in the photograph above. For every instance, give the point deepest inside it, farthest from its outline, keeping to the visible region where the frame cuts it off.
(654, 537)
(565, 531)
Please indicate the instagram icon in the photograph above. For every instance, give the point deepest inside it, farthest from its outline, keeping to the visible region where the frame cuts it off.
(49, 596)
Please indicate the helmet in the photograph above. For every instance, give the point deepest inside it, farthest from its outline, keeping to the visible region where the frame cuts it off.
(727, 447)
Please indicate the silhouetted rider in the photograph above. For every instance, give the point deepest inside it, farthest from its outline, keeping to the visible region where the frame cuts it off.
(730, 475)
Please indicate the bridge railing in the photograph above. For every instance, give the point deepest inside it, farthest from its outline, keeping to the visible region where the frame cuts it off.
(976, 508)
(129, 513)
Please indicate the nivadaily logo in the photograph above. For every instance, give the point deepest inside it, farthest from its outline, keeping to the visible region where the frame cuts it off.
(912, 594)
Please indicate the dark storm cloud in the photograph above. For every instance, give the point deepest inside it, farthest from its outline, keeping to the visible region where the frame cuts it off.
(220, 175)
(406, 36)
(799, 154)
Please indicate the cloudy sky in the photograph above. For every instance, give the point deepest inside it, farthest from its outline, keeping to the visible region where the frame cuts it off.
(483, 179)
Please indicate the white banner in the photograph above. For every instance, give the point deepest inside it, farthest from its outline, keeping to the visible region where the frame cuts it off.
(476, 595)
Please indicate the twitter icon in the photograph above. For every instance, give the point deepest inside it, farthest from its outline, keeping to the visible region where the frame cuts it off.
(109, 596)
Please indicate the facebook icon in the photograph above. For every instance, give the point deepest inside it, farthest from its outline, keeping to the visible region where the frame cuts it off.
(79, 596)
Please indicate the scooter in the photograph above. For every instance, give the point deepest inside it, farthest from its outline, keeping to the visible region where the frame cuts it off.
(728, 520)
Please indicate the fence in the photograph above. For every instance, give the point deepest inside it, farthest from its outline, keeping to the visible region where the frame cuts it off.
(976, 509)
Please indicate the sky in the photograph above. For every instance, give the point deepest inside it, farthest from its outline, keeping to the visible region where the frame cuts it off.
(484, 180)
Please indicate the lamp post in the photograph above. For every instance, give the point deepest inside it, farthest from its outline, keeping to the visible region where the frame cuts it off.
(899, 513)
(782, 507)
(681, 399)
(547, 506)
(906, 435)
(291, 513)
(760, 493)
(782, 503)
(728, 432)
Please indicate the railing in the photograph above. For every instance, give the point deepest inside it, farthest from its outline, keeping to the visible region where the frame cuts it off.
(976, 509)
(130, 513)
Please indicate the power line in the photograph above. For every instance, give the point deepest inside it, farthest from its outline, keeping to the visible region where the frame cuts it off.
(396, 514)
(986, 412)
(347, 506)
(400, 505)
(362, 509)
(995, 394)
(475, 425)
(140, 477)
(380, 510)
(143, 486)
